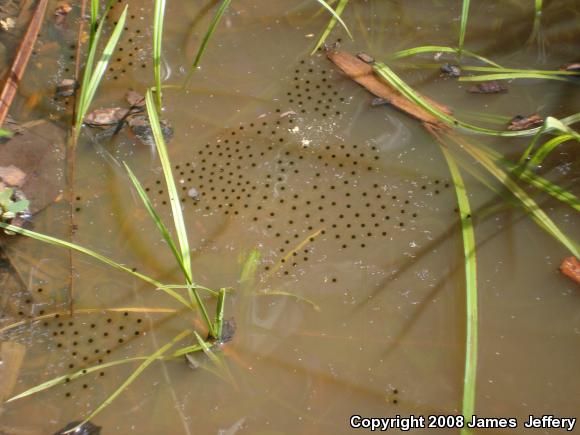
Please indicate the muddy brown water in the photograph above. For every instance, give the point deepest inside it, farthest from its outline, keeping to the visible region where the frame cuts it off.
(351, 208)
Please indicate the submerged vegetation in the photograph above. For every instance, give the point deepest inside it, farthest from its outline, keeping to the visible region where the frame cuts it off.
(456, 138)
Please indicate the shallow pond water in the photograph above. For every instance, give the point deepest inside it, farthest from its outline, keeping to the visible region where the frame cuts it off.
(358, 302)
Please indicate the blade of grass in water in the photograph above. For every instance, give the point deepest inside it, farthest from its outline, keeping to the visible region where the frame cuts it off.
(156, 218)
(469, 252)
(148, 361)
(89, 87)
(547, 148)
(463, 26)
(331, 24)
(250, 267)
(335, 16)
(210, 31)
(532, 179)
(440, 49)
(219, 317)
(95, 5)
(298, 298)
(512, 76)
(387, 74)
(87, 371)
(64, 244)
(175, 208)
(527, 202)
(537, 20)
(519, 70)
(158, 16)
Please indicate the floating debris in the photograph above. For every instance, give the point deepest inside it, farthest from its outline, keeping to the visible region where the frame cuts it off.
(571, 268)
(571, 67)
(86, 429)
(491, 87)
(7, 24)
(378, 101)
(141, 128)
(451, 70)
(61, 12)
(366, 58)
(520, 122)
(66, 88)
(193, 193)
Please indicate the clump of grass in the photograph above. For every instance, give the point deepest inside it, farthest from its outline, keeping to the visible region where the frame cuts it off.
(92, 76)
(158, 16)
(463, 26)
(469, 252)
(181, 253)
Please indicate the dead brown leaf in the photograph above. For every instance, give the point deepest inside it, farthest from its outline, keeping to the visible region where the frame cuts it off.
(571, 268)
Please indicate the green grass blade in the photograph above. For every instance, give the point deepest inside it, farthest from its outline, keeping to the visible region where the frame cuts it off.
(250, 267)
(96, 32)
(158, 16)
(171, 188)
(469, 252)
(331, 24)
(148, 361)
(440, 49)
(5, 133)
(527, 202)
(64, 244)
(512, 76)
(335, 16)
(89, 89)
(219, 316)
(298, 298)
(175, 207)
(155, 217)
(534, 180)
(210, 31)
(87, 371)
(463, 26)
(194, 285)
(519, 70)
(71, 377)
(222, 369)
(95, 5)
(387, 74)
(547, 148)
(525, 155)
(537, 20)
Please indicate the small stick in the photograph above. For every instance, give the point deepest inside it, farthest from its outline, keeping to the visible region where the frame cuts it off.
(21, 60)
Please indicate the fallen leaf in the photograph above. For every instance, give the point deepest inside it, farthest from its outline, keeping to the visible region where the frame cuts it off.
(491, 87)
(102, 118)
(571, 268)
(135, 99)
(520, 122)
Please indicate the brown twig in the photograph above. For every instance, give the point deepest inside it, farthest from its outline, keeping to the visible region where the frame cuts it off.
(362, 73)
(21, 60)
